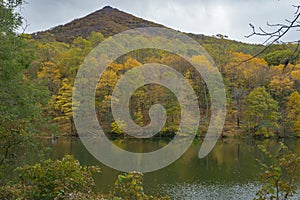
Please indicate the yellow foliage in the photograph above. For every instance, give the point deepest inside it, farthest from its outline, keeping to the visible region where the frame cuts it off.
(63, 103)
(293, 108)
(281, 86)
(296, 74)
(246, 74)
(131, 63)
(51, 74)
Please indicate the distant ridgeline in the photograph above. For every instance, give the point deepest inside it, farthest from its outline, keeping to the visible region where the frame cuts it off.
(268, 79)
(110, 21)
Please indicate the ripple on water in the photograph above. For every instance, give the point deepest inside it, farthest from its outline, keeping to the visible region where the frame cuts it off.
(194, 191)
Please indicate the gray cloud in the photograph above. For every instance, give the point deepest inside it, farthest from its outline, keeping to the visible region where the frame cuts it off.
(209, 17)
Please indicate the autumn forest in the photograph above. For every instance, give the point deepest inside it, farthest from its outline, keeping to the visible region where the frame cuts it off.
(37, 74)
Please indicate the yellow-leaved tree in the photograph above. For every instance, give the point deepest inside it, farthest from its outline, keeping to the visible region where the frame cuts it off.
(63, 107)
(293, 109)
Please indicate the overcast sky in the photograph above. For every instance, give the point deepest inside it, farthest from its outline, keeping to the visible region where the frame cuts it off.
(209, 17)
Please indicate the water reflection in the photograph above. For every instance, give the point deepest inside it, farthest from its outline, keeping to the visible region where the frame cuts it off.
(231, 164)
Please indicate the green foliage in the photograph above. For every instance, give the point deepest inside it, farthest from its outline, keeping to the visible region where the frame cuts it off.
(13, 138)
(67, 179)
(73, 58)
(52, 179)
(261, 113)
(130, 186)
(277, 57)
(279, 178)
(95, 38)
(12, 192)
(20, 99)
(9, 19)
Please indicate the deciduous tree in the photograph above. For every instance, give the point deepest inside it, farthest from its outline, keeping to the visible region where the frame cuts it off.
(261, 113)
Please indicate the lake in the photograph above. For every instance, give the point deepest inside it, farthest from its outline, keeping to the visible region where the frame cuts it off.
(230, 171)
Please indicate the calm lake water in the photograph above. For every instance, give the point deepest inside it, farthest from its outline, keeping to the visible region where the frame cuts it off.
(230, 171)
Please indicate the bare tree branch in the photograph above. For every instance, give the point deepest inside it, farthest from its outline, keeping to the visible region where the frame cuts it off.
(273, 37)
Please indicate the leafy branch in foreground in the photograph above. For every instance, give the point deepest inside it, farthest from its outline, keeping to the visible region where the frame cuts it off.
(67, 179)
(279, 179)
(130, 186)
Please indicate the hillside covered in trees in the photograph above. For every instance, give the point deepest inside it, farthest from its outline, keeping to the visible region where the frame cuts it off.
(264, 80)
(37, 74)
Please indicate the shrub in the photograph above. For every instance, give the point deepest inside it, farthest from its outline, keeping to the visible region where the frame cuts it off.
(130, 186)
(50, 179)
(279, 178)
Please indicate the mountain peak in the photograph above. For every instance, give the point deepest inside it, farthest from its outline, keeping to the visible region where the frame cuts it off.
(107, 8)
(108, 21)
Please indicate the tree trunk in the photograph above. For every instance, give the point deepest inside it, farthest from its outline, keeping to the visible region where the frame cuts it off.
(73, 127)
